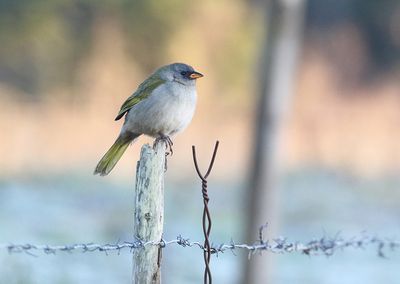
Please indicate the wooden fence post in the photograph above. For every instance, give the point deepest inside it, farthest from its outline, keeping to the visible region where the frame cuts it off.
(149, 213)
(284, 23)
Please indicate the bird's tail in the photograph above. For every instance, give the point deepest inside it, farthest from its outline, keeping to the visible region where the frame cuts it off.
(110, 159)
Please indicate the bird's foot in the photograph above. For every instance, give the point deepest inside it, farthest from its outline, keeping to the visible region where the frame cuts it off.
(168, 147)
(168, 142)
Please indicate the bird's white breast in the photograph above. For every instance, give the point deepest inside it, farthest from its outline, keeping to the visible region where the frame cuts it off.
(168, 110)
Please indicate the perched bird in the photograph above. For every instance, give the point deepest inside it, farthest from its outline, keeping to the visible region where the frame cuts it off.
(162, 106)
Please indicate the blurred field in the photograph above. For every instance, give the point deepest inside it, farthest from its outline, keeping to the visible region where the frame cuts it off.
(66, 68)
(350, 127)
(354, 128)
(314, 203)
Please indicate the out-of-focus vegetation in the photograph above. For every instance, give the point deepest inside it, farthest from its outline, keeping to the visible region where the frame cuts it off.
(69, 65)
(78, 60)
(372, 26)
(43, 42)
(66, 67)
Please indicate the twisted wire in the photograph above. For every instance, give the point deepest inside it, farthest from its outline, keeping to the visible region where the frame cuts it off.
(206, 221)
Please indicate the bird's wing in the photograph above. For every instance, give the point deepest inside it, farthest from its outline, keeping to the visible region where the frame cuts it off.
(143, 91)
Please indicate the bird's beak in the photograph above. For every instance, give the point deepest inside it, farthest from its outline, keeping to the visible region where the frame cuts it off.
(195, 75)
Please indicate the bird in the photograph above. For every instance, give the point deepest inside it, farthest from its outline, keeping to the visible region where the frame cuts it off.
(162, 106)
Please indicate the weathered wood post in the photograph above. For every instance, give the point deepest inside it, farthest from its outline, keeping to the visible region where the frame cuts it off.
(149, 213)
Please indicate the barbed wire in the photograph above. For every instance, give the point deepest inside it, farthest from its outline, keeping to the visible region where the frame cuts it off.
(322, 246)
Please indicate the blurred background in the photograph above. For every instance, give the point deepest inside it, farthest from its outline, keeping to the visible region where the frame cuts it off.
(305, 93)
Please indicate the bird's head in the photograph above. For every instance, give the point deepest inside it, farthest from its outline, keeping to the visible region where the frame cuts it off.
(180, 73)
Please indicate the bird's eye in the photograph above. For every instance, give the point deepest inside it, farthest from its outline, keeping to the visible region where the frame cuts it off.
(184, 73)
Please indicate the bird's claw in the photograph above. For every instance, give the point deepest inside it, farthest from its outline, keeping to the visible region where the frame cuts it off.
(168, 142)
(168, 147)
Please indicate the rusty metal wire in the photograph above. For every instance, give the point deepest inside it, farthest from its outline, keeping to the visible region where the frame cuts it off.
(206, 212)
(324, 245)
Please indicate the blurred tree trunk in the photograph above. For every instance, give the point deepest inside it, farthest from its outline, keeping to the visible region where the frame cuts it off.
(284, 21)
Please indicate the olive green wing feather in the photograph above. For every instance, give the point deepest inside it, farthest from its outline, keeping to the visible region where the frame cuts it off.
(144, 90)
